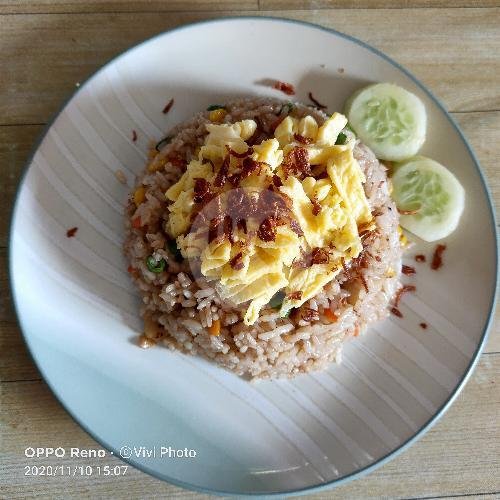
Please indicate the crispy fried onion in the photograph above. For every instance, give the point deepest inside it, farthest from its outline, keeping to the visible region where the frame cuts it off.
(316, 256)
(220, 227)
(320, 256)
(232, 152)
(248, 167)
(302, 139)
(316, 206)
(287, 88)
(237, 262)
(355, 270)
(202, 191)
(296, 162)
(308, 314)
(404, 289)
(267, 228)
(297, 295)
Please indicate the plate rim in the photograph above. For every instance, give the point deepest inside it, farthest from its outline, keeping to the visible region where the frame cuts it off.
(388, 456)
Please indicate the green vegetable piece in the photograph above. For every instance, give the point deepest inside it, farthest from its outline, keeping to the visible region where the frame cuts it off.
(163, 142)
(213, 107)
(389, 120)
(429, 198)
(172, 247)
(288, 107)
(341, 139)
(277, 300)
(154, 266)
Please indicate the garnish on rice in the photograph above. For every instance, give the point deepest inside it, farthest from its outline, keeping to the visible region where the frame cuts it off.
(262, 236)
(168, 106)
(287, 88)
(259, 222)
(316, 103)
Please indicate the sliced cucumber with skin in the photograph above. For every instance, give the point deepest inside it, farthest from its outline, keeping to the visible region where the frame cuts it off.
(389, 120)
(432, 196)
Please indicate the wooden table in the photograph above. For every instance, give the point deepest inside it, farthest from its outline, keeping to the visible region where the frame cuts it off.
(47, 46)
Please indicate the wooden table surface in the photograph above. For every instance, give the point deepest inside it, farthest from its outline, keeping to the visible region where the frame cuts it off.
(47, 46)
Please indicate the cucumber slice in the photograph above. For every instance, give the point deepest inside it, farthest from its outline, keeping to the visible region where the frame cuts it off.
(389, 120)
(430, 190)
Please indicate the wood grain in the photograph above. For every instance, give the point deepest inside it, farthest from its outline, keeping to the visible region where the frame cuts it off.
(481, 131)
(15, 361)
(16, 143)
(373, 4)
(460, 455)
(58, 6)
(448, 51)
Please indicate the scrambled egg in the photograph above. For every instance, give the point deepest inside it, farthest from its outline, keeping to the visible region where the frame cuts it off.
(326, 210)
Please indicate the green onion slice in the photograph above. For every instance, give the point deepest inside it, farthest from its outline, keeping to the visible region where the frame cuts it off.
(155, 266)
(288, 107)
(172, 247)
(163, 142)
(277, 300)
(213, 107)
(341, 139)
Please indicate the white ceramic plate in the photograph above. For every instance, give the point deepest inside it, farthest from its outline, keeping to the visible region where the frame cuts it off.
(78, 308)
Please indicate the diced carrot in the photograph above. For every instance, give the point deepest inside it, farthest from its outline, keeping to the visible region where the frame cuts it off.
(332, 317)
(136, 223)
(215, 328)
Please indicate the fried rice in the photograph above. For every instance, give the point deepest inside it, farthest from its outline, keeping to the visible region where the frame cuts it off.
(180, 310)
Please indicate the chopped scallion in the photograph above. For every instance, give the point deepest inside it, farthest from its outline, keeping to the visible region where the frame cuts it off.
(213, 107)
(172, 247)
(277, 300)
(341, 139)
(163, 142)
(288, 107)
(155, 266)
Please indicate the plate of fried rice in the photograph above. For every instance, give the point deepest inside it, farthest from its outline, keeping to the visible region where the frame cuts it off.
(222, 252)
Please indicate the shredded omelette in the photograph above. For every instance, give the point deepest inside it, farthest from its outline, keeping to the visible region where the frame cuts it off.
(281, 216)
